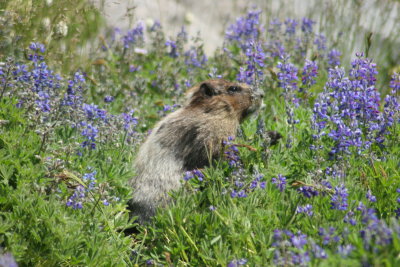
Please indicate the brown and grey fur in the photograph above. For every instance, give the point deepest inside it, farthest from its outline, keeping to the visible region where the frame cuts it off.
(187, 139)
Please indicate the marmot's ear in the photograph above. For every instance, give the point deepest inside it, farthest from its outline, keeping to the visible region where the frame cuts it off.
(207, 89)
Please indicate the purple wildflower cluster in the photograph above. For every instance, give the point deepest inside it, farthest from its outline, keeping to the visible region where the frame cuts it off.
(301, 43)
(339, 198)
(193, 174)
(242, 185)
(290, 249)
(7, 260)
(245, 29)
(310, 72)
(348, 111)
(246, 34)
(252, 73)
(236, 263)
(213, 74)
(173, 52)
(391, 108)
(195, 58)
(334, 58)
(329, 236)
(287, 77)
(80, 194)
(376, 233)
(287, 80)
(279, 182)
(85, 193)
(308, 191)
(40, 79)
(231, 153)
(306, 209)
(134, 37)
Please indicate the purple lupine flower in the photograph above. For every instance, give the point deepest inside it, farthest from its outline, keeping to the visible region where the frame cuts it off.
(370, 197)
(75, 201)
(299, 240)
(90, 179)
(339, 198)
(276, 48)
(395, 83)
(231, 153)
(198, 174)
(328, 235)
(301, 259)
(349, 218)
(188, 175)
(130, 122)
(134, 36)
(213, 74)
(345, 250)
(156, 26)
(320, 41)
(334, 58)
(245, 29)
(307, 209)
(287, 75)
(188, 83)
(173, 49)
(252, 74)
(90, 133)
(280, 182)
(310, 71)
(193, 59)
(307, 25)
(234, 194)
(308, 191)
(133, 68)
(376, 233)
(94, 112)
(274, 26)
(108, 99)
(318, 251)
(182, 35)
(391, 107)
(7, 260)
(236, 263)
(290, 25)
(283, 241)
(241, 194)
(37, 47)
(349, 108)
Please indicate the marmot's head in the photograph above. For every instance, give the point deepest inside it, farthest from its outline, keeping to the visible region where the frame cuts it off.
(218, 95)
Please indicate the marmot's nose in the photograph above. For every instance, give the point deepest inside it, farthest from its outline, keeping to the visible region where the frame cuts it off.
(260, 93)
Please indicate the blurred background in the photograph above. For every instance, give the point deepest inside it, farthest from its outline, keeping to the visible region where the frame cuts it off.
(71, 28)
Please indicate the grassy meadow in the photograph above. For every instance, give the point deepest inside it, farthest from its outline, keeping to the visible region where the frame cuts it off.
(77, 98)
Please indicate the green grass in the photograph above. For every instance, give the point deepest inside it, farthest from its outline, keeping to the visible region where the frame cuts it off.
(42, 164)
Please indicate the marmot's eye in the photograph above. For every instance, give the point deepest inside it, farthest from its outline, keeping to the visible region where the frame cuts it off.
(234, 89)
